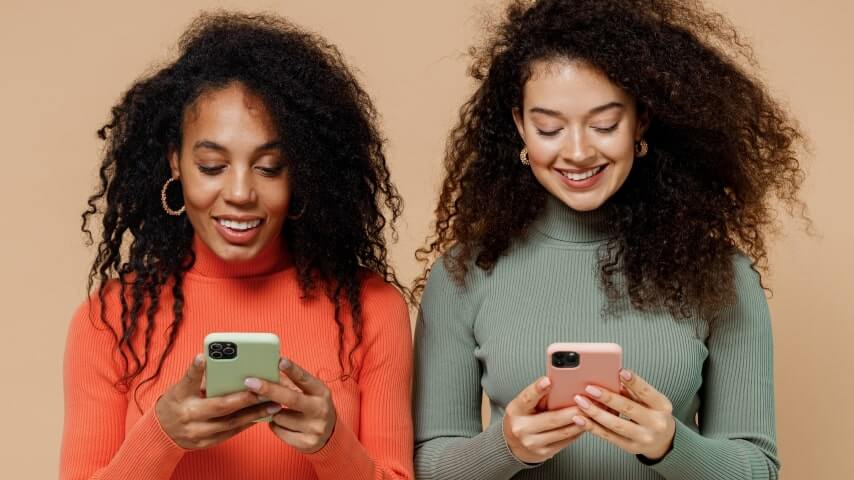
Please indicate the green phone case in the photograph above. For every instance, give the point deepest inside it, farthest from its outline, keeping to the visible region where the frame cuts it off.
(257, 356)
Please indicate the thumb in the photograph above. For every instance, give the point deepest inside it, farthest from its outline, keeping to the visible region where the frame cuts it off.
(191, 383)
(527, 400)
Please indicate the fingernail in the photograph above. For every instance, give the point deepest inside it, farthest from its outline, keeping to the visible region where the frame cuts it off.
(579, 421)
(252, 384)
(593, 391)
(582, 402)
(198, 360)
(544, 383)
(273, 409)
(285, 363)
(625, 375)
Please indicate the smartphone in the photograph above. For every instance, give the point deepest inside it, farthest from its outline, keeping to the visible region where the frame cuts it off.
(573, 366)
(234, 356)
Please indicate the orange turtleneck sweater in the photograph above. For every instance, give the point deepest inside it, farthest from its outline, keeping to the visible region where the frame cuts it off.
(107, 436)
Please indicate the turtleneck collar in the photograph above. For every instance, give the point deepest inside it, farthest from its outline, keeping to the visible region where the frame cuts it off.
(271, 259)
(559, 222)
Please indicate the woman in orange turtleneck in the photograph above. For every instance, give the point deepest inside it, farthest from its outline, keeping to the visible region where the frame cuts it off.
(242, 189)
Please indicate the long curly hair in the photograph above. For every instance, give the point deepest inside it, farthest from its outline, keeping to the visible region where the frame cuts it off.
(339, 175)
(721, 150)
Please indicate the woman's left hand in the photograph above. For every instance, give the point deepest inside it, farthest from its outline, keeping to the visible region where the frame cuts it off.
(308, 417)
(645, 424)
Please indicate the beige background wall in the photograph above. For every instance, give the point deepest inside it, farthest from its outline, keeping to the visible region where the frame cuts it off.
(63, 66)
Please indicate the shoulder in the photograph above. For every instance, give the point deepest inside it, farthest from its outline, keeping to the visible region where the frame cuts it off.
(749, 311)
(383, 306)
(450, 276)
(98, 312)
(746, 278)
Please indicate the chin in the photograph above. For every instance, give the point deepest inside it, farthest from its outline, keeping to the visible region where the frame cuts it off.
(236, 253)
(581, 202)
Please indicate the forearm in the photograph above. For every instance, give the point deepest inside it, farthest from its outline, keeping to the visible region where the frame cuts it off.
(484, 456)
(697, 457)
(344, 456)
(146, 453)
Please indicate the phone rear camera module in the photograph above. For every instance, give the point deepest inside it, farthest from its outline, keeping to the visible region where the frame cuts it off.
(565, 359)
(222, 350)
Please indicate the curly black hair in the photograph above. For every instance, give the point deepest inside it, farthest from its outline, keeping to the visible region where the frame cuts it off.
(721, 150)
(336, 166)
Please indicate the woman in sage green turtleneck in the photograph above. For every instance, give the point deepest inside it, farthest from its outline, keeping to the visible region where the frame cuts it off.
(609, 181)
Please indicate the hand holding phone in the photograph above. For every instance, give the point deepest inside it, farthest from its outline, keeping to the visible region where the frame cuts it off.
(533, 435)
(194, 422)
(309, 417)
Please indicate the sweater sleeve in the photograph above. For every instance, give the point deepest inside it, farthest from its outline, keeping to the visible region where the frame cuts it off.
(449, 440)
(383, 447)
(95, 444)
(735, 438)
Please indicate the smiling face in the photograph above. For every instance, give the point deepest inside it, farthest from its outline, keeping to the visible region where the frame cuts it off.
(232, 172)
(580, 130)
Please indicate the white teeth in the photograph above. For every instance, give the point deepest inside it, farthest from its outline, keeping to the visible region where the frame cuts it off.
(234, 225)
(577, 177)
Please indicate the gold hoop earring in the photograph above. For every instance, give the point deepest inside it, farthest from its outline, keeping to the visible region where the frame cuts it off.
(523, 156)
(165, 204)
(641, 148)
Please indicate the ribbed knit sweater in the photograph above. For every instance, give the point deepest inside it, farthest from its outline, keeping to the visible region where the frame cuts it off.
(106, 436)
(491, 337)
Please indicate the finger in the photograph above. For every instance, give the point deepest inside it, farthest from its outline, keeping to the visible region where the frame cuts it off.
(618, 404)
(645, 392)
(591, 426)
(304, 380)
(560, 445)
(550, 420)
(214, 407)
(295, 439)
(611, 422)
(558, 435)
(190, 384)
(220, 437)
(526, 401)
(291, 420)
(280, 394)
(242, 418)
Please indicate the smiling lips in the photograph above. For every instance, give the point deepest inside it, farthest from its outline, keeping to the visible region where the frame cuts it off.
(581, 179)
(238, 231)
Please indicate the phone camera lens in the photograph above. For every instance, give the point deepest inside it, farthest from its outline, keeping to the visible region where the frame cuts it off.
(216, 346)
(228, 352)
(565, 359)
(216, 354)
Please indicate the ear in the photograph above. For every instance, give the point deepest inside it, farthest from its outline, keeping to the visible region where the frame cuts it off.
(174, 157)
(520, 124)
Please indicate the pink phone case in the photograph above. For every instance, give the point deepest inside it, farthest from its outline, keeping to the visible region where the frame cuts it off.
(598, 364)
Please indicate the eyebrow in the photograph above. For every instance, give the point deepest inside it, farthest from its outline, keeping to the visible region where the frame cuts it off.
(274, 144)
(599, 109)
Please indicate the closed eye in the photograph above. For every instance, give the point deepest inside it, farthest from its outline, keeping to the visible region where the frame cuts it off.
(271, 171)
(607, 129)
(548, 133)
(211, 170)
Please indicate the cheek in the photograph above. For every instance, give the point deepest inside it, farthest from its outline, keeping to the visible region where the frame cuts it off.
(200, 195)
(275, 198)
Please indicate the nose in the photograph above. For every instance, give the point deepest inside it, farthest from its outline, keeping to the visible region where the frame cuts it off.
(239, 188)
(577, 148)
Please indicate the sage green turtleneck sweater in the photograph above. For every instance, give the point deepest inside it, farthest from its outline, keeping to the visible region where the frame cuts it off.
(490, 336)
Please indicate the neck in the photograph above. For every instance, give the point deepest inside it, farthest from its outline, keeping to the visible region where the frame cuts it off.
(271, 259)
(560, 222)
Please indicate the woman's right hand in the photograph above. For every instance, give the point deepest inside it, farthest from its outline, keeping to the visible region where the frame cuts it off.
(532, 436)
(195, 422)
